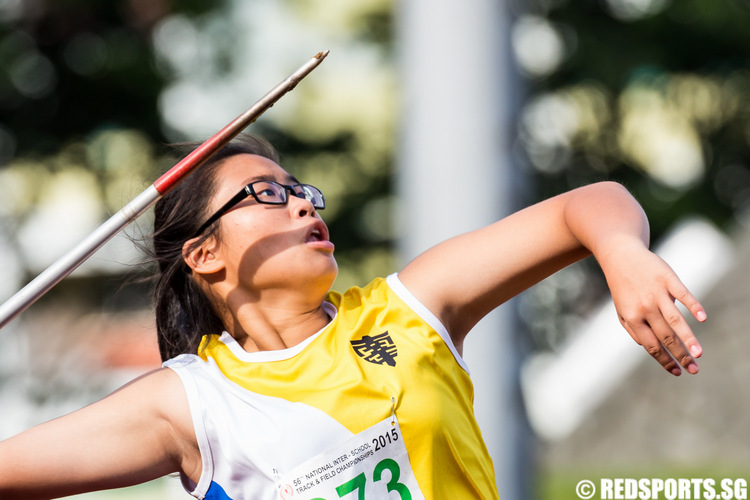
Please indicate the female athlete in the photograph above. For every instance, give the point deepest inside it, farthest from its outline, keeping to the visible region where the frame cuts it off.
(275, 387)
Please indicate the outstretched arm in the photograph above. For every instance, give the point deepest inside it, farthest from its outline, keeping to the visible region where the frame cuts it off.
(127, 438)
(464, 278)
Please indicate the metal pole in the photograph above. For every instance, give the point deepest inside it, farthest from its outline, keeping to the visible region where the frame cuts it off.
(86, 248)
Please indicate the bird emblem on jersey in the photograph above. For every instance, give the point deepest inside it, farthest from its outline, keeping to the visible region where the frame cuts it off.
(379, 349)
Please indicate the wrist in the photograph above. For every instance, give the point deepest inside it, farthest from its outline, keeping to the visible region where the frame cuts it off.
(617, 249)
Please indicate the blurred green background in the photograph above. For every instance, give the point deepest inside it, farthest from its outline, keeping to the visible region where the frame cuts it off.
(651, 93)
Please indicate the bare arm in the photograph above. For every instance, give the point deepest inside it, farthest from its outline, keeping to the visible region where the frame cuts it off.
(138, 433)
(464, 278)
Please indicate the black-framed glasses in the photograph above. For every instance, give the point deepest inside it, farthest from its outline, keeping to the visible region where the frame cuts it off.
(269, 193)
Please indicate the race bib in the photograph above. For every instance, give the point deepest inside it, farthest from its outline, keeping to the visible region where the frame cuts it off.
(371, 465)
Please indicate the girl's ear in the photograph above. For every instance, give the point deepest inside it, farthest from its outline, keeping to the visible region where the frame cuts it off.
(205, 258)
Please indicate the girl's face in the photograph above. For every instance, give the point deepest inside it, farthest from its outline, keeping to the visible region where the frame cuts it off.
(270, 246)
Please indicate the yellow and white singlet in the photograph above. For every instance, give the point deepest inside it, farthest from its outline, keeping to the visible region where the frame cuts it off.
(378, 404)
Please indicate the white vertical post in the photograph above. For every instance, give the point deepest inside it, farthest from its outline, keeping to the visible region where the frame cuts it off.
(454, 176)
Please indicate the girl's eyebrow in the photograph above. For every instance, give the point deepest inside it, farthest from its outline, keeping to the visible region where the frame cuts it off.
(266, 177)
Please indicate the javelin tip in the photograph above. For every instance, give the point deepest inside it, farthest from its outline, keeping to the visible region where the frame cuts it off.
(321, 55)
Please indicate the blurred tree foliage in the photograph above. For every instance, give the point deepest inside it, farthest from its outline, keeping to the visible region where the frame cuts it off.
(651, 93)
(67, 68)
(656, 96)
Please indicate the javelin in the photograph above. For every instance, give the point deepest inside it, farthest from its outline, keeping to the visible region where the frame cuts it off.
(86, 248)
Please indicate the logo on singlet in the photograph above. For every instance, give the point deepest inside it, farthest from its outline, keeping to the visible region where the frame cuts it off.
(378, 349)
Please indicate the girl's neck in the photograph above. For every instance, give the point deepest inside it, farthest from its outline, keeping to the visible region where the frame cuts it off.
(272, 325)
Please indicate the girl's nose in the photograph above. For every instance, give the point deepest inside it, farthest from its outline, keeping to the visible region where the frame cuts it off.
(301, 207)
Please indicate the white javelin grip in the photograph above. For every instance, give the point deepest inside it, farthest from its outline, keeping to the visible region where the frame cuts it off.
(101, 235)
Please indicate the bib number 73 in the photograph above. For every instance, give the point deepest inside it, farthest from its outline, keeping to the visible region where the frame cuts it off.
(362, 467)
(357, 484)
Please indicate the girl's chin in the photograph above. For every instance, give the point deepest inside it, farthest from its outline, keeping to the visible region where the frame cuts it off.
(293, 267)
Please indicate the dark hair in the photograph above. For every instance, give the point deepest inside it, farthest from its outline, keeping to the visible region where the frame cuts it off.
(183, 312)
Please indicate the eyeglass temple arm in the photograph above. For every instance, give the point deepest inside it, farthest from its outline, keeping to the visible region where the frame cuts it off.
(86, 248)
(217, 215)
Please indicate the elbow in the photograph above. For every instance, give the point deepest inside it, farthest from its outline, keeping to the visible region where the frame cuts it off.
(611, 194)
(596, 212)
(612, 188)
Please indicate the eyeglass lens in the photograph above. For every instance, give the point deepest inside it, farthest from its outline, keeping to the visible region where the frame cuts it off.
(274, 193)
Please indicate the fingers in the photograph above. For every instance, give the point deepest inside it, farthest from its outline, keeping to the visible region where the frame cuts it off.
(676, 324)
(667, 337)
(675, 319)
(681, 293)
(675, 336)
(653, 345)
(645, 298)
